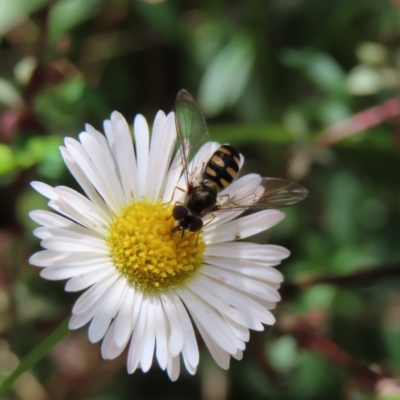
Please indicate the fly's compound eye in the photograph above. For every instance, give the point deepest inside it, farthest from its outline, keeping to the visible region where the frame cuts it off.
(180, 212)
(196, 225)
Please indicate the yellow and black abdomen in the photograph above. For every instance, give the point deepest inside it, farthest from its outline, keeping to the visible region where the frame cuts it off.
(223, 166)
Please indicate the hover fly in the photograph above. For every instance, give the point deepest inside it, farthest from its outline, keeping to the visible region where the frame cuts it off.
(206, 181)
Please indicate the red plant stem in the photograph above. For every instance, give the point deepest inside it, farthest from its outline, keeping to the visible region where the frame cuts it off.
(384, 272)
(308, 338)
(360, 122)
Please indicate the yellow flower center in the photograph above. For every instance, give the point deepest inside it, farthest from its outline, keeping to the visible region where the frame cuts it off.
(147, 253)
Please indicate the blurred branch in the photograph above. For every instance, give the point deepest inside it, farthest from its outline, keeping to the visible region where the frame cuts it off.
(293, 288)
(360, 122)
(307, 337)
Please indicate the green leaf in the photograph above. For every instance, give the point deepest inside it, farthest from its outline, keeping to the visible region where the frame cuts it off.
(282, 353)
(9, 95)
(66, 14)
(164, 17)
(72, 90)
(43, 150)
(371, 53)
(227, 75)
(24, 69)
(15, 11)
(40, 351)
(364, 80)
(321, 296)
(7, 159)
(320, 68)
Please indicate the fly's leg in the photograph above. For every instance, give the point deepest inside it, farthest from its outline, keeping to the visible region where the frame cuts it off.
(173, 194)
(211, 220)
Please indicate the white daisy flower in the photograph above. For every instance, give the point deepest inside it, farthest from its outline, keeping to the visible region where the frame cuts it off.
(145, 286)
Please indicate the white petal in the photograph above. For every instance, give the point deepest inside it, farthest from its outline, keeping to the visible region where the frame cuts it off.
(221, 357)
(244, 227)
(247, 251)
(44, 189)
(155, 153)
(210, 319)
(47, 218)
(248, 285)
(66, 272)
(242, 302)
(75, 231)
(45, 258)
(196, 167)
(75, 245)
(41, 233)
(125, 156)
(141, 131)
(87, 277)
(78, 320)
(176, 339)
(241, 161)
(78, 215)
(136, 346)
(190, 351)
(173, 368)
(78, 153)
(127, 316)
(92, 295)
(238, 355)
(109, 350)
(85, 183)
(161, 335)
(267, 304)
(101, 157)
(253, 269)
(161, 149)
(241, 332)
(240, 188)
(149, 341)
(108, 130)
(107, 311)
(78, 260)
(201, 288)
(82, 207)
(186, 360)
(215, 219)
(174, 173)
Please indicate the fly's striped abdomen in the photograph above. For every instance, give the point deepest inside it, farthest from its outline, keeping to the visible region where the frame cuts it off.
(223, 166)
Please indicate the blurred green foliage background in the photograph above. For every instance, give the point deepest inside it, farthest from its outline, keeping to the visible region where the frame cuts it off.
(307, 90)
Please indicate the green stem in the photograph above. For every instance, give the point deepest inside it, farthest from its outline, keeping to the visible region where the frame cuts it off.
(35, 356)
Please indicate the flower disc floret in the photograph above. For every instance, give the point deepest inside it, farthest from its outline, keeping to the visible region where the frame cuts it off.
(147, 253)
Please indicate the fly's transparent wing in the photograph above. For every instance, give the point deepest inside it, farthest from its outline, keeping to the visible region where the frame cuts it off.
(265, 193)
(191, 129)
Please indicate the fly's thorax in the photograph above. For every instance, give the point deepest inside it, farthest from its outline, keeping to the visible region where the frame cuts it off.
(202, 199)
(223, 166)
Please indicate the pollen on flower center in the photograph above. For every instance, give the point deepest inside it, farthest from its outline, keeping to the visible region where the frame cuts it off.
(147, 253)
